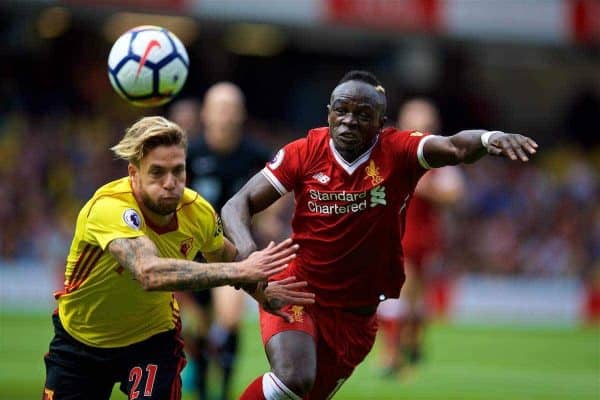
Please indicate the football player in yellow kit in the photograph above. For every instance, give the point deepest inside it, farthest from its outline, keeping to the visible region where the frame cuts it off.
(117, 320)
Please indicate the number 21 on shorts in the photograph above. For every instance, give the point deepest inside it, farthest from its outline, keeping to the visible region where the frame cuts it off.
(135, 376)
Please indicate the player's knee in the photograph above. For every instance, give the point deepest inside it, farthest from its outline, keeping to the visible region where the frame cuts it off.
(298, 380)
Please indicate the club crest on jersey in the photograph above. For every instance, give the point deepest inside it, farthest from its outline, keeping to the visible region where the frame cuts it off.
(417, 133)
(277, 160)
(186, 246)
(372, 172)
(297, 313)
(322, 178)
(132, 219)
(48, 394)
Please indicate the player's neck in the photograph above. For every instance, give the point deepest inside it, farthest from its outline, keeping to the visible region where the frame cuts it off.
(351, 155)
(156, 220)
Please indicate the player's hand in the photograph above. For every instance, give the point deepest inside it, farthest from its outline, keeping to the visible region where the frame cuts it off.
(267, 262)
(277, 294)
(511, 145)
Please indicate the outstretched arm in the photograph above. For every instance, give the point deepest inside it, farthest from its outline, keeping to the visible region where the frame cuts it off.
(140, 256)
(256, 195)
(469, 146)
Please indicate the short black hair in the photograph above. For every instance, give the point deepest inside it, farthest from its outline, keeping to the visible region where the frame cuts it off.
(368, 78)
(360, 75)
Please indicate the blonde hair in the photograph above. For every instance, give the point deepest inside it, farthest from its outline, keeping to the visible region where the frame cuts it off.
(147, 134)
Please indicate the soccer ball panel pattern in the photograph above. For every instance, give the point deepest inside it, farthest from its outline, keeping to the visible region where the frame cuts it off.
(148, 66)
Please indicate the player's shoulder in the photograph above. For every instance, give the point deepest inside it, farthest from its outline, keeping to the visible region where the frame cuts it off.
(113, 198)
(117, 187)
(391, 133)
(196, 211)
(115, 192)
(316, 138)
(305, 146)
(193, 202)
(390, 136)
(317, 135)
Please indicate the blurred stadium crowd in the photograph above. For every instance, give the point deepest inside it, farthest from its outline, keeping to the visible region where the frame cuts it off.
(57, 121)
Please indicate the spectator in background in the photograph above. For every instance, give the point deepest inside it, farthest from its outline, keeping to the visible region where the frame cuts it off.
(403, 320)
(221, 158)
(186, 114)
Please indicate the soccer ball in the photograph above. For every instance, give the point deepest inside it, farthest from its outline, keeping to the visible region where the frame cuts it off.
(148, 66)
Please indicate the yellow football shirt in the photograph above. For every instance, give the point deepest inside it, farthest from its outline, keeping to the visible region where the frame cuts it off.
(101, 304)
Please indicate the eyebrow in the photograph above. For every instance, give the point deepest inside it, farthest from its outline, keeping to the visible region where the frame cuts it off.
(160, 167)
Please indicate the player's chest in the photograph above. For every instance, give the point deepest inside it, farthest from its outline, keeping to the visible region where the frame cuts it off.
(331, 173)
(329, 188)
(178, 244)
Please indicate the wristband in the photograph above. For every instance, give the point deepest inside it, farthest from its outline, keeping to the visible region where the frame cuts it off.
(485, 139)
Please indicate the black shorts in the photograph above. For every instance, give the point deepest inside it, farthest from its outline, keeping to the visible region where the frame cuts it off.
(146, 370)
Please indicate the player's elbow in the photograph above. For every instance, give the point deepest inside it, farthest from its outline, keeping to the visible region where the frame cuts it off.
(234, 206)
(148, 275)
(240, 199)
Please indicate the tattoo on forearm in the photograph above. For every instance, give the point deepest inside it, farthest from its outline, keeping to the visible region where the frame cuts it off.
(140, 257)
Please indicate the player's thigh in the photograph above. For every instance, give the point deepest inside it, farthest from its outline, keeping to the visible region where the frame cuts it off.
(75, 382)
(152, 368)
(229, 306)
(292, 355)
(156, 378)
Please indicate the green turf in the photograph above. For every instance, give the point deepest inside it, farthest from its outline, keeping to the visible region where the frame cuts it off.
(467, 363)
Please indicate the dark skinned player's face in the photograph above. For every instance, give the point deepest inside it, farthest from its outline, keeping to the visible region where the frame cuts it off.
(355, 117)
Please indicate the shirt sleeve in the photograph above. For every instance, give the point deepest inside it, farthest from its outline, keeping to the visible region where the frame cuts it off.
(409, 145)
(111, 218)
(284, 170)
(213, 234)
(210, 226)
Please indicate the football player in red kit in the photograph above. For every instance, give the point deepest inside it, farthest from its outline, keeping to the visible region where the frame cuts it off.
(350, 181)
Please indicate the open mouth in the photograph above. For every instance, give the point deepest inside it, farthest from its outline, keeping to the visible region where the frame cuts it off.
(347, 138)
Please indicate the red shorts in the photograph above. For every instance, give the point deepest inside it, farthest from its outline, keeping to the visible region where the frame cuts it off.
(343, 340)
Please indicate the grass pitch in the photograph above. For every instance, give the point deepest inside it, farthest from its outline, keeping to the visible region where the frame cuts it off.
(462, 362)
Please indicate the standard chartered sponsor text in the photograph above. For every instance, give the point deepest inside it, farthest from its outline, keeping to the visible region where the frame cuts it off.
(351, 202)
(336, 208)
(336, 196)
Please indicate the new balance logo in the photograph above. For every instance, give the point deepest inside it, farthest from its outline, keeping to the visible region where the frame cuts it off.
(322, 178)
(378, 196)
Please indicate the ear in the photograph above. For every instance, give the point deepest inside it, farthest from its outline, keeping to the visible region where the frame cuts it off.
(132, 170)
(382, 121)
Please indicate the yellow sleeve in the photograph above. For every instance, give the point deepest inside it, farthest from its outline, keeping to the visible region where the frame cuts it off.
(209, 225)
(111, 218)
(213, 234)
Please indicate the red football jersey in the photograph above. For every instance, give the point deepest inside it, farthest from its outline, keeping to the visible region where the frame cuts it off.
(346, 216)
